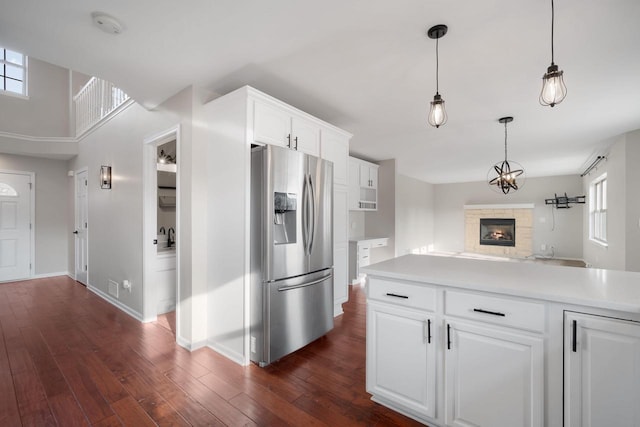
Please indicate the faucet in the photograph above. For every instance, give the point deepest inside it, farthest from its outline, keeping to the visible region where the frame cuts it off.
(170, 241)
(162, 230)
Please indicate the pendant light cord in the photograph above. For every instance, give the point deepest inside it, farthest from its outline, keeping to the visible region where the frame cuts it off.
(552, 21)
(505, 141)
(437, 66)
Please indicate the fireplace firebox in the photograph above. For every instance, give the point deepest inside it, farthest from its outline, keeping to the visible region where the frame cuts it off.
(498, 231)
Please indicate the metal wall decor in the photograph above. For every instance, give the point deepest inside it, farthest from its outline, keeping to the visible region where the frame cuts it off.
(507, 175)
(553, 88)
(437, 113)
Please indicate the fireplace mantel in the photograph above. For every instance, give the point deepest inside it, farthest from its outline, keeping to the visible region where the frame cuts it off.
(502, 206)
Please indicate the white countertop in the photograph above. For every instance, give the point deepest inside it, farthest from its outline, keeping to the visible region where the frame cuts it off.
(364, 238)
(607, 289)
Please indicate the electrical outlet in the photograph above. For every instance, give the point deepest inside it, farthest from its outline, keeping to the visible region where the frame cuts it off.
(127, 285)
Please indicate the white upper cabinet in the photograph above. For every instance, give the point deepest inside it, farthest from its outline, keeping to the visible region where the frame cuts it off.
(335, 147)
(363, 185)
(275, 125)
(368, 175)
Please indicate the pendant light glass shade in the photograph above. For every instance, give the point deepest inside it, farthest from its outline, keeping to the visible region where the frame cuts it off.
(437, 113)
(506, 175)
(553, 88)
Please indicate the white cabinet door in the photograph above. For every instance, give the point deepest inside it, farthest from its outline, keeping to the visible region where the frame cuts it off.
(365, 179)
(271, 125)
(335, 147)
(401, 357)
(373, 176)
(306, 136)
(492, 378)
(602, 371)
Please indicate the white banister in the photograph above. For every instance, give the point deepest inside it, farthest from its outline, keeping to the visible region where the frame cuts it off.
(95, 101)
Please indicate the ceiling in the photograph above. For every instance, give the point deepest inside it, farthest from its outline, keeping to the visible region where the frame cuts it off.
(368, 67)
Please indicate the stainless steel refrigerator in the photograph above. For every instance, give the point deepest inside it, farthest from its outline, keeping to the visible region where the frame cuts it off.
(291, 251)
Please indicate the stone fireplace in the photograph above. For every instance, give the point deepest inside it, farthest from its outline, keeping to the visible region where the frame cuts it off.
(499, 229)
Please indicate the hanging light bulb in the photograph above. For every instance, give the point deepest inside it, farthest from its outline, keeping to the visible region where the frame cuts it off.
(437, 113)
(553, 88)
(507, 175)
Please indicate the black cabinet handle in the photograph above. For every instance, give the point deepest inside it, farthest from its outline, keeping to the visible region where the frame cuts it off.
(296, 140)
(397, 295)
(75, 232)
(574, 338)
(493, 313)
(448, 336)
(289, 140)
(429, 331)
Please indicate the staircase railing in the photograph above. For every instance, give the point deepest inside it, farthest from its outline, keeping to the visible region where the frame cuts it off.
(95, 101)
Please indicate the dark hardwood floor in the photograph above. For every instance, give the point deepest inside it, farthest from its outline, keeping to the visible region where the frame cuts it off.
(69, 358)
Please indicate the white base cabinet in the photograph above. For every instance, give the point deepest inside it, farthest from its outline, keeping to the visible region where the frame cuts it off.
(602, 371)
(492, 377)
(401, 357)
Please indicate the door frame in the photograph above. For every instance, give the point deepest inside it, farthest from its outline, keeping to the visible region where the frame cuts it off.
(149, 209)
(32, 218)
(75, 221)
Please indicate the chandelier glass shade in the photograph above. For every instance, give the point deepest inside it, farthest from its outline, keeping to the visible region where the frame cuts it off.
(553, 88)
(506, 176)
(437, 113)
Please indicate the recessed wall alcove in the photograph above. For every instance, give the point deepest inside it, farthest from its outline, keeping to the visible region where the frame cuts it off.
(521, 213)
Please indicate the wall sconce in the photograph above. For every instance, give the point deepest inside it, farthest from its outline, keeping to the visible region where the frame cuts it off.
(105, 177)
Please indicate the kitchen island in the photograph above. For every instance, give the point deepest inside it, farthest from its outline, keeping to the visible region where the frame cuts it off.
(463, 342)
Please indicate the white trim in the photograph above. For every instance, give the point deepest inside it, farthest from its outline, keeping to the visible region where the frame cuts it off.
(75, 218)
(149, 207)
(502, 206)
(229, 354)
(105, 120)
(30, 138)
(116, 303)
(46, 275)
(15, 94)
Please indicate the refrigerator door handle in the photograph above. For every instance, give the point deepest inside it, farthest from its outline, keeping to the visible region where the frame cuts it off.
(312, 225)
(304, 285)
(305, 214)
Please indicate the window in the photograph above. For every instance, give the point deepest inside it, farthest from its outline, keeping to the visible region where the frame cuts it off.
(598, 210)
(13, 72)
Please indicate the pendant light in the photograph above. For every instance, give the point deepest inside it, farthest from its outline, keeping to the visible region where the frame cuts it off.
(553, 88)
(437, 113)
(506, 175)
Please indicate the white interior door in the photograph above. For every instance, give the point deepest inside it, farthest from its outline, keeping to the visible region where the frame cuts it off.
(15, 226)
(82, 227)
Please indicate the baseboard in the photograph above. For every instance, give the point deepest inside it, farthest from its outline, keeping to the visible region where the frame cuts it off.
(228, 353)
(116, 303)
(45, 275)
(185, 343)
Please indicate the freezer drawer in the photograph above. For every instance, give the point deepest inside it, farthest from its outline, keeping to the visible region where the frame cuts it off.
(301, 310)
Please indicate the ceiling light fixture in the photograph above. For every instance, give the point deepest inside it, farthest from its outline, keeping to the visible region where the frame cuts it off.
(437, 113)
(553, 88)
(107, 23)
(506, 174)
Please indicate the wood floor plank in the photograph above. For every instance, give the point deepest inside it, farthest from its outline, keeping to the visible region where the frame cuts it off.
(131, 414)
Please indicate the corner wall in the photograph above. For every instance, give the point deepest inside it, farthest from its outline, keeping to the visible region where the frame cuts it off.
(414, 228)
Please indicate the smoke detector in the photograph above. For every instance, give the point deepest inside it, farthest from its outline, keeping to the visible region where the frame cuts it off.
(107, 23)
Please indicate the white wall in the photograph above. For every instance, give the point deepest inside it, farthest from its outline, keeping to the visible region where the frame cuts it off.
(51, 210)
(633, 202)
(414, 230)
(46, 112)
(557, 228)
(381, 223)
(116, 215)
